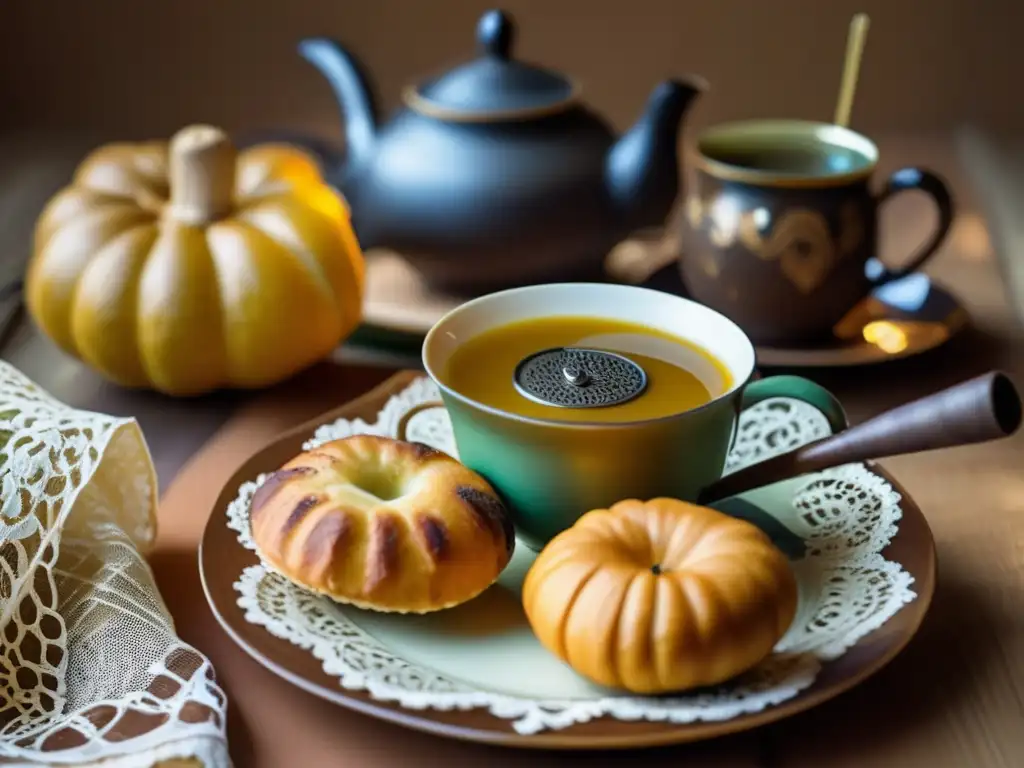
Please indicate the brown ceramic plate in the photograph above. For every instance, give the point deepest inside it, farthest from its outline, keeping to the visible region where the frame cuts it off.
(222, 559)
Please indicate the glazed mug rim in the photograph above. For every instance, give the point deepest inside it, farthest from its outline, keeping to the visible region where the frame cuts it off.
(740, 378)
(773, 132)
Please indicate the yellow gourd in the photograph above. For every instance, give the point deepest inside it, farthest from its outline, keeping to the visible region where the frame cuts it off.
(660, 596)
(188, 266)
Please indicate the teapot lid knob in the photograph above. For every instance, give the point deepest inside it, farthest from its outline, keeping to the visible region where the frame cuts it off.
(494, 33)
(493, 86)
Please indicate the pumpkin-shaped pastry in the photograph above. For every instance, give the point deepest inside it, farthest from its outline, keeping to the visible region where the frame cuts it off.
(660, 596)
(191, 267)
(382, 524)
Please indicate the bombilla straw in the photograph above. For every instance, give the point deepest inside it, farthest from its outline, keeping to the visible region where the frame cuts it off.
(851, 67)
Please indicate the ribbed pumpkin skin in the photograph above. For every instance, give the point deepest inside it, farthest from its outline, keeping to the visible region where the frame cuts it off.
(149, 300)
(718, 601)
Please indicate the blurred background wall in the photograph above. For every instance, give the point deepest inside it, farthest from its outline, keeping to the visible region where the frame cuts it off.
(142, 68)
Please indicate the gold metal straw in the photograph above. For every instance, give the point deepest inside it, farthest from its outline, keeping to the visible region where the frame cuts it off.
(851, 67)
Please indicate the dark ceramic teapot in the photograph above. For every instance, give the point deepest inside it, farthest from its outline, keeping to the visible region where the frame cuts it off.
(494, 174)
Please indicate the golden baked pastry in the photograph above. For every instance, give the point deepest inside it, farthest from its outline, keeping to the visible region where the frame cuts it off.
(382, 524)
(660, 596)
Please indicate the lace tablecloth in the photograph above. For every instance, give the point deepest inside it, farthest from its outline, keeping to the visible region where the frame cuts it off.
(91, 669)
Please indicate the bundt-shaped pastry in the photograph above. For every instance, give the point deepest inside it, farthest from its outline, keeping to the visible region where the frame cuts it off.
(382, 524)
(660, 596)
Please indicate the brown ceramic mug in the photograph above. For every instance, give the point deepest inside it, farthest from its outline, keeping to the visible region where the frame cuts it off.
(782, 226)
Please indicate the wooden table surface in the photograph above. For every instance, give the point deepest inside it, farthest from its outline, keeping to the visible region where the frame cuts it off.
(955, 697)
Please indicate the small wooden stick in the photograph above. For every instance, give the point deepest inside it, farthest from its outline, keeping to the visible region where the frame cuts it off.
(851, 67)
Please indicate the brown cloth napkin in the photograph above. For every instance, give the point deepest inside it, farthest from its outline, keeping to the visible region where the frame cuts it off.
(270, 722)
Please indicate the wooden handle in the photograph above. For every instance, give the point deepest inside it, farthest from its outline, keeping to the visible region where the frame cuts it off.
(980, 409)
(202, 174)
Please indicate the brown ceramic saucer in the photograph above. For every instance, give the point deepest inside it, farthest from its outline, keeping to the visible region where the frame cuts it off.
(903, 318)
(222, 559)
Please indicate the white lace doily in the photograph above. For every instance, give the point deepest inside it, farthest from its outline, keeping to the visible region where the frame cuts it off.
(90, 667)
(844, 517)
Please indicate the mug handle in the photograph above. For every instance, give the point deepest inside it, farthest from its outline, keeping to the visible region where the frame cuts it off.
(797, 388)
(905, 180)
(403, 423)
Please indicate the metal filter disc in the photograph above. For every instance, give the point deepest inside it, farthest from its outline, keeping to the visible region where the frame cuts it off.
(575, 377)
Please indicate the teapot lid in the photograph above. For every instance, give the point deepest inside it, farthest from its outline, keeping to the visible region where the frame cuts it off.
(494, 86)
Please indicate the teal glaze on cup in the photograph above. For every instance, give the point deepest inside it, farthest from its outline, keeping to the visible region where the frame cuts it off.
(551, 472)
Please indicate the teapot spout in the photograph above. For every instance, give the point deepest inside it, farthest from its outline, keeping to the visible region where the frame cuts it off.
(352, 90)
(642, 168)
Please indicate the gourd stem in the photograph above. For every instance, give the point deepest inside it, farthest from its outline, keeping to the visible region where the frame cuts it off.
(202, 174)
